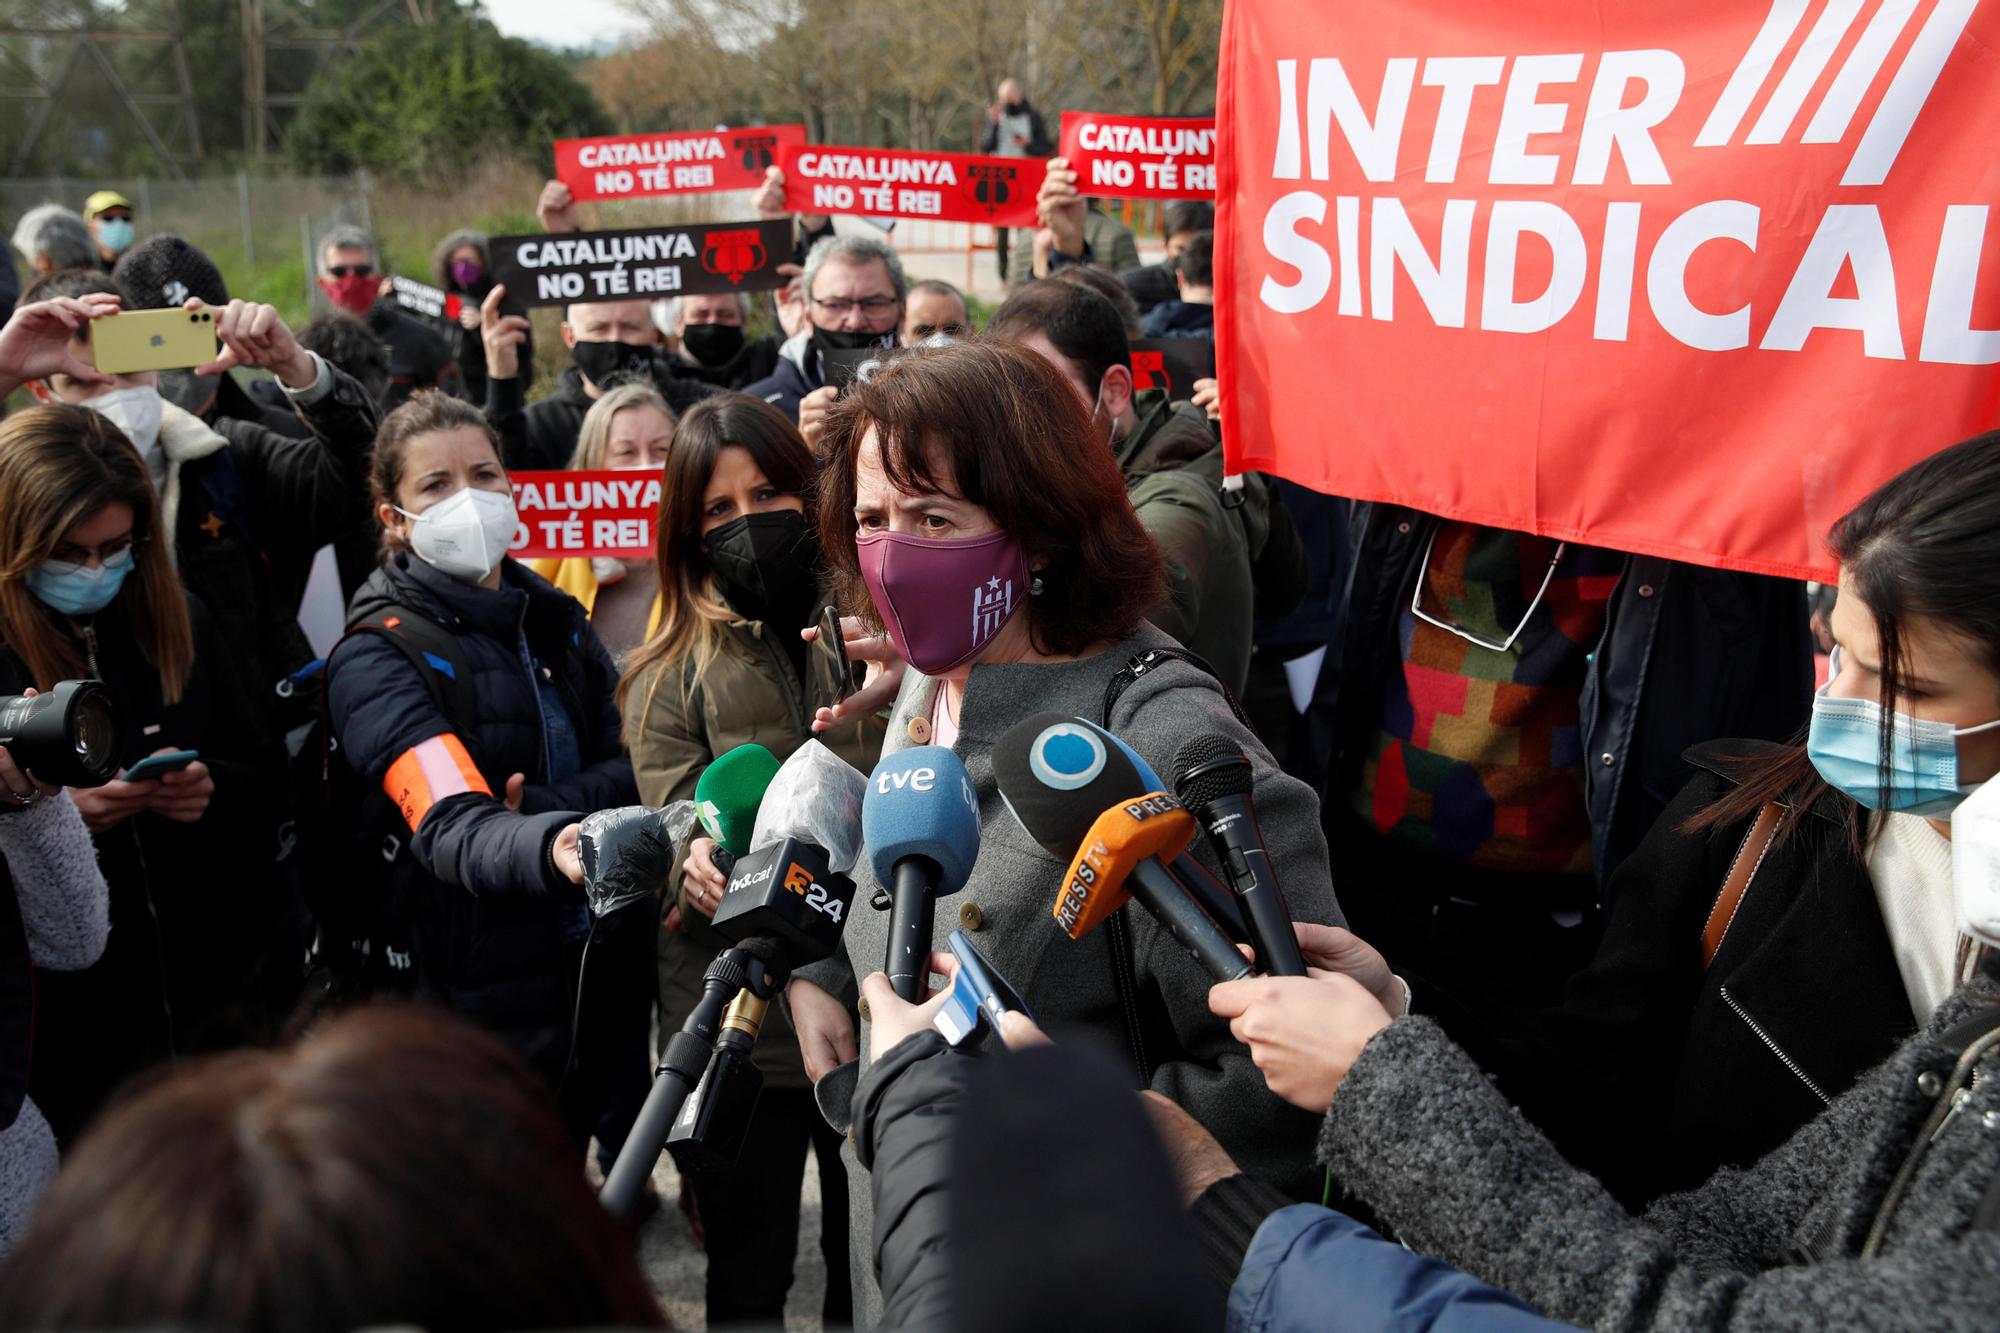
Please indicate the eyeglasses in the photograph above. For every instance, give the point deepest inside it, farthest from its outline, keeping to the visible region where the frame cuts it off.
(105, 552)
(1423, 576)
(351, 270)
(948, 330)
(873, 307)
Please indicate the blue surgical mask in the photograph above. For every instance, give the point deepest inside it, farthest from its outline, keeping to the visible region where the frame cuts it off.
(1845, 745)
(115, 235)
(78, 590)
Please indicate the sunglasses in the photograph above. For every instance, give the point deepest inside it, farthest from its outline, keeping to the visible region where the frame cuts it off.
(351, 270)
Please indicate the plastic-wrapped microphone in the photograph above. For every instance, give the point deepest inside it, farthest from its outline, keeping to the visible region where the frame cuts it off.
(1213, 779)
(1083, 800)
(920, 823)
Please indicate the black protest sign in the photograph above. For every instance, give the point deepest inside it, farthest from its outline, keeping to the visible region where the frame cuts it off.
(420, 298)
(1173, 364)
(642, 263)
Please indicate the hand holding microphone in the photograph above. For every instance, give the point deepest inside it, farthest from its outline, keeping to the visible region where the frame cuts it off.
(1304, 1033)
(726, 800)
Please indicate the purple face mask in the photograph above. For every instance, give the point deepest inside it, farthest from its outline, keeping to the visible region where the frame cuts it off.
(465, 273)
(942, 601)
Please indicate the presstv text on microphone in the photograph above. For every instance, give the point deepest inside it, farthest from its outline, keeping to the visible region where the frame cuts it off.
(1679, 277)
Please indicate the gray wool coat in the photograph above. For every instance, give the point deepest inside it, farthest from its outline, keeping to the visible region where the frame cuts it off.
(1068, 983)
(1419, 1133)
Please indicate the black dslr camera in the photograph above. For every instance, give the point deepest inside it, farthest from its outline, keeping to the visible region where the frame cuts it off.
(68, 736)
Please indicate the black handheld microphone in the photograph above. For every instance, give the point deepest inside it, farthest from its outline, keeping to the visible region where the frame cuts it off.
(1212, 777)
(785, 907)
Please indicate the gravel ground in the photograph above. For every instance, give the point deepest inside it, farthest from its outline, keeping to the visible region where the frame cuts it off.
(676, 1267)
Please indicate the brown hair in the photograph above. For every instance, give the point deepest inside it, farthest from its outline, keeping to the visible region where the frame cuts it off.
(399, 1166)
(427, 412)
(593, 440)
(692, 612)
(59, 465)
(1011, 433)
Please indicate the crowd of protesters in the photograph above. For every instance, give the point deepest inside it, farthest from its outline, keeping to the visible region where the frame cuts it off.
(1641, 991)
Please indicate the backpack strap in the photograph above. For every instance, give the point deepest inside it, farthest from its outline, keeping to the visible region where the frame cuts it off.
(1749, 857)
(433, 652)
(1152, 659)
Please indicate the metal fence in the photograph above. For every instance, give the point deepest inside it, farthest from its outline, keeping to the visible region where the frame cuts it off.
(257, 217)
(251, 224)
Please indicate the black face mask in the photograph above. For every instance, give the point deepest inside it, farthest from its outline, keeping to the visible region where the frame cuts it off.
(847, 340)
(712, 344)
(1014, 108)
(601, 362)
(764, 566)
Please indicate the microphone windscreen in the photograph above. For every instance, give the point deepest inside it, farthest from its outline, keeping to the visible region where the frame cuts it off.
(920, 803)
(1147, 777)
(1208, 767)
(815, 798)
(1057, 775)
(1117, 840)
(729, 791)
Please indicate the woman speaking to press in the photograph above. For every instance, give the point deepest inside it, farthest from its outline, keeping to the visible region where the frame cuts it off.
(480, 701)
(974, 469)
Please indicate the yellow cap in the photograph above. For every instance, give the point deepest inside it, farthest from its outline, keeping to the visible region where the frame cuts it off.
(102, 200)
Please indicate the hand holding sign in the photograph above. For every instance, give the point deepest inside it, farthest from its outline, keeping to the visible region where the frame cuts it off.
(255, 337)
(502, 335)
(1060, 208)
(556, 208)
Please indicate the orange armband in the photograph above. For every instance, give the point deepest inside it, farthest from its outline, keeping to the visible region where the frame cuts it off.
(428, 773)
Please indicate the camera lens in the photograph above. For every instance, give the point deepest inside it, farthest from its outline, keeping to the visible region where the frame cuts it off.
(69, 735)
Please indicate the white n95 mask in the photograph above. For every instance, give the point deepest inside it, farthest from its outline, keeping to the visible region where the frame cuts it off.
(464, 535)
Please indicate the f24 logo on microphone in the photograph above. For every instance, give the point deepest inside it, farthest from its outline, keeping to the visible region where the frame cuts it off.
(800, 881)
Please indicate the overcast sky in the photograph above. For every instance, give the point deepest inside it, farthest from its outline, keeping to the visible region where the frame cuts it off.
(564, 23)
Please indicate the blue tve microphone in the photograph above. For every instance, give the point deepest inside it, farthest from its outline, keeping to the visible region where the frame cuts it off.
(920, 821)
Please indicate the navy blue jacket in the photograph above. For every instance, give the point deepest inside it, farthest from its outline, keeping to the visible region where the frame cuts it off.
(490, 911)
(1688, 655)
(1311, 1267)
(797, 375)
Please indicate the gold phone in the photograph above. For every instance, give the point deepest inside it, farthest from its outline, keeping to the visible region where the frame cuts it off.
(153, 340)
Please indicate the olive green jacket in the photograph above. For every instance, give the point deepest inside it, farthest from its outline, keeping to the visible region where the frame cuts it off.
(1172, 466)
(678, 722)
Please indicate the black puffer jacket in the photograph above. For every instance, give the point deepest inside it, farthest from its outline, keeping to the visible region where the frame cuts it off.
(543, 435)
(490, 915)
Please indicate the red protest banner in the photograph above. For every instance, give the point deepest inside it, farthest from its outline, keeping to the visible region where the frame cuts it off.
(891, 183)
(585, 513)
(1140, 157)
(1679, 277)
(631, 166)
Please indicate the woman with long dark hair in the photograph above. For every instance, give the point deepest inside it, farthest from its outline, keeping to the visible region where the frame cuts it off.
(88, 588)
(726, 665)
